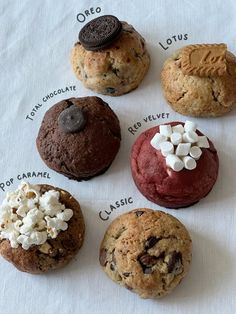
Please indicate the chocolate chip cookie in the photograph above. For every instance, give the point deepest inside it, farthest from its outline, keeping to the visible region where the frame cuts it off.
(55, 252)
(147, 252)
(202, 95)
(79, 137)
(118, 61)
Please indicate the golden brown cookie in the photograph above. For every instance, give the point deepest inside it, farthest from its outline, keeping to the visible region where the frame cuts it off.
(147, 252)
(116, 69)
(199, 95)
(55, 252)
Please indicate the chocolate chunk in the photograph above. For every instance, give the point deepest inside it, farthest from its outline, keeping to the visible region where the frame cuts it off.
(174, 259)
(126, 274)
(100, 32)
(139, 213)
(151, 241)
(110, 90)
(112, 267)
(103, 257)
(147, 260)
(72, 119)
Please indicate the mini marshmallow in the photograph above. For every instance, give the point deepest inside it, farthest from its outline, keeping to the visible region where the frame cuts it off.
(183, 149)
(178, 128)
(165, 130)
(203, 142)
(190, 126)
(157, 140)
(195, 152)
(166, 148)
(189, 163)
(176, 138)
(190, 137)
(174, 162)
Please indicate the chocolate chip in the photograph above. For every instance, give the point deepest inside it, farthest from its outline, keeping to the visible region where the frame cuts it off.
(113, 256)
(139, 213)
(147, 260)
(110, 90)
(100, 32)
(112, 267)
(72, 119)
(151, 241)
(173, 259)
(103, 257)
(126, 274)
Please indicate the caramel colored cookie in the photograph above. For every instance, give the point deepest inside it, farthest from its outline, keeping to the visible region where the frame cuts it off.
(54, 253)
(192, 95)
(116, 69)
(79, 137)
(147, 252)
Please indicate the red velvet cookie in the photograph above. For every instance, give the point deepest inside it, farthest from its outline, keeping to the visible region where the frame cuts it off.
(159, 183)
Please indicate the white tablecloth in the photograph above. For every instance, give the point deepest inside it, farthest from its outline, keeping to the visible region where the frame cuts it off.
(35, 42)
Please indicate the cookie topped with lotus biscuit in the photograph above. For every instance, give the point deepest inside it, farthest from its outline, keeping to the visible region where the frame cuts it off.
(199, 80)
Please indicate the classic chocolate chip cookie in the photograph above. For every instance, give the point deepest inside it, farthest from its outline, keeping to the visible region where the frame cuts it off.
(79, 137)
(119, 60)
(208, 90)
(147, 252)
(58, 248)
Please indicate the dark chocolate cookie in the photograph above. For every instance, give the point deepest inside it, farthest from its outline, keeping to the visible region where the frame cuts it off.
(54, 253)
(100, 32)
(80, 142)
(147, 252)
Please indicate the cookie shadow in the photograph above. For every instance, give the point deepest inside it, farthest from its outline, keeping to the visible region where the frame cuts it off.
(212, 266)
(223, 192)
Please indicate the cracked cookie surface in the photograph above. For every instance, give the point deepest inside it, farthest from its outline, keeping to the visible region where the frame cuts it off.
(84, 154)
(147, 252)
(116, 69)
(54, 253)
(199, 96)
(164, 186)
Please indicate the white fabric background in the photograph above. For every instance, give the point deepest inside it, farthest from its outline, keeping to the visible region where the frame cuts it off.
(35, 41)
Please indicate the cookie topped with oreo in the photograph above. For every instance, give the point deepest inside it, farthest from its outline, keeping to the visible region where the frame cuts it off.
(110, 57)
(100, 32)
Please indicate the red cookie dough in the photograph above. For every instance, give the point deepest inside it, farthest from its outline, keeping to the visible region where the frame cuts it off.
(164, 186)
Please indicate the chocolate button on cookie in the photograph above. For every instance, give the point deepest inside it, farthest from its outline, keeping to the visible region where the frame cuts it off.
(79, 137)
(147, 252)
(72, 119)
(100, 32)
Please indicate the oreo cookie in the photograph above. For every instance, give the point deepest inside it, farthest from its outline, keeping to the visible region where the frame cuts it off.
(72, 119)
(100, 32)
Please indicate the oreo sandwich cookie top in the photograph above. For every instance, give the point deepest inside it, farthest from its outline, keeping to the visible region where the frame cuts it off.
(100, 32)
